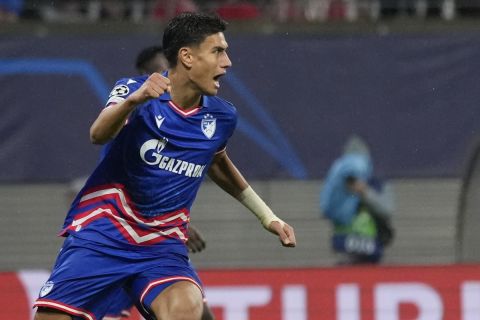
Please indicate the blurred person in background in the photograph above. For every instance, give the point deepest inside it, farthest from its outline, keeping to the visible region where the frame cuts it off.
(164, 10)
(238, 10)
(128, 222)
(10, 10)
(151, 60)
(285, 10)
(359, 206)
(113, 10)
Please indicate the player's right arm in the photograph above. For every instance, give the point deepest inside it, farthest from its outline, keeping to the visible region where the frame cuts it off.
(112, 119)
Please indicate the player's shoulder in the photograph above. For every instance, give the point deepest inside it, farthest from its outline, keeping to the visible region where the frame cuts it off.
(133, 80)
(124, 86)
(220, 104)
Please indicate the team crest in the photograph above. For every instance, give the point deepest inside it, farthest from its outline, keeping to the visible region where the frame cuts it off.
(119, 91)
(209, 124)
(47, 287)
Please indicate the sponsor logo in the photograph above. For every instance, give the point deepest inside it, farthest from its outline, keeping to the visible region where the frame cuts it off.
(119, 91)
(46, 288)
(209, 125)
(150, 152)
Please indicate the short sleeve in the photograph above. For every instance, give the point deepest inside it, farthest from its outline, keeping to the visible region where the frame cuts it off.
(122, 89)
(231, 128)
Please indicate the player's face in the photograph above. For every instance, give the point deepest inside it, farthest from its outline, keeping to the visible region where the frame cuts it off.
(210, 63)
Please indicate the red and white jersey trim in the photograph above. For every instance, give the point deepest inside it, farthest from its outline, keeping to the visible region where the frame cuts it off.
(155, 283)
(139, 239)
(63, 307)
(128, 210)
(221, 150)
(114, 100)
(133, 226)
(183, 112)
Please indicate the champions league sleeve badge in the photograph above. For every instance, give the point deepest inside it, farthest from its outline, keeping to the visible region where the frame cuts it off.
(209, 124)
(119, 91)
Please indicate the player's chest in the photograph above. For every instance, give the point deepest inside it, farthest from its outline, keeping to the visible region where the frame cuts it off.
(201, 130)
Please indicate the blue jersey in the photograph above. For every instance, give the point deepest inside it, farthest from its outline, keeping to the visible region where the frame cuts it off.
(141, 191)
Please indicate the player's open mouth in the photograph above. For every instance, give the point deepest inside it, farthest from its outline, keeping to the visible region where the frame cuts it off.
(216, 79)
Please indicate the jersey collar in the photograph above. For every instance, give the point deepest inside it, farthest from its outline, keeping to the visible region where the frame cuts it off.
(168, 100)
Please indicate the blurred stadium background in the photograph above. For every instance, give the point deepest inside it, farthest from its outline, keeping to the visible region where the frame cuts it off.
(306, 75)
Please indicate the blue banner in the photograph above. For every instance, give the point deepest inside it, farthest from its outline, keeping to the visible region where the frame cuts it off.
(412, 97)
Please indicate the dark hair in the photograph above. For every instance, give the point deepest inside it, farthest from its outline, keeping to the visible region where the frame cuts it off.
(189, 29)
(146, 55)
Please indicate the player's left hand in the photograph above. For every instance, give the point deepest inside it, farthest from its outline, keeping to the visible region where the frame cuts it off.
(195, 242)
(285, 233)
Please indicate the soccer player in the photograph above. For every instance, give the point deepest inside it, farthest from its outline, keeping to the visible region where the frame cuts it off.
(148, 61)
(127, 226)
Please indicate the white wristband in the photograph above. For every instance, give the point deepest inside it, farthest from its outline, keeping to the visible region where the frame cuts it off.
(250, 199)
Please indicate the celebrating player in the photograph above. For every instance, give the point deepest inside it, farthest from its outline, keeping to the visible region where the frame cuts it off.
(151, 60)
(127, 226)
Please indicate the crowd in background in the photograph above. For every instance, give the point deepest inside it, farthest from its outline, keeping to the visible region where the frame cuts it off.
(276, 10)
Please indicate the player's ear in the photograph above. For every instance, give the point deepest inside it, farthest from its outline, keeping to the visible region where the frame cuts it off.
(185, 57)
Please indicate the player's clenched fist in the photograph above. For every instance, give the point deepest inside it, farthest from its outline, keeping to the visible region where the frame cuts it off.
(152, 88)
(285, 233)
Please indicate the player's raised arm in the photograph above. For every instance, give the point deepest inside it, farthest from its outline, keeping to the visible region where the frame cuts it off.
(111, 120)
(224, 173)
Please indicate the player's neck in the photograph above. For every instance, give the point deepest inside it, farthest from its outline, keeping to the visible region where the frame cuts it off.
(184, 101)
(182, 93)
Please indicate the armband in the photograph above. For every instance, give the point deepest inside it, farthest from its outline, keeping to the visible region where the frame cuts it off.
(250, 199)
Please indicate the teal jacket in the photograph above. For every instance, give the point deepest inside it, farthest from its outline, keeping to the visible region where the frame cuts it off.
(336, 202)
